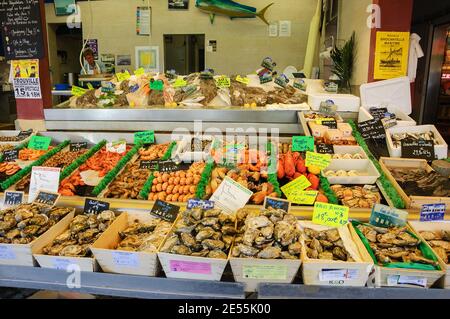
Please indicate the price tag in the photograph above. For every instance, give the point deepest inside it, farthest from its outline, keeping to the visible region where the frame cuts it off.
(94, 207)
(265, 272)
(39, 142)
(329, 123)
(302, 143)
(418, 149)
(372, 129)
(90, 87)
(230, 196)
(75, 147)
(395, 280)
(151, 165)
(315, 159)
(303, 197)
(338, 276)
(24, 134)
(12, 198)
(77, 91)
(146, 137)
(122, 76)
(117, 147)
(125, 259)
(385, 216)
(277, 203)
(298, 184)
(432, 212)
(171, 166)
(11, 155)
(243, 80)
(330, 215)
(46, 198)
(223, 82)
(179, 83)
(204, 204)
(43, 179)
(157, 85)
(378, 112)
(6, 252)
(165, 211)
(325, 149)
(190, 267)
(139, 71)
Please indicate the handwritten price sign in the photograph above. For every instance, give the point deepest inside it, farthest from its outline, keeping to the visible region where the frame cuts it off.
(330, 215)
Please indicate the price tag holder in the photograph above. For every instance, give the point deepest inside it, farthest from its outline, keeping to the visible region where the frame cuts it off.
(94, 207)
(171, 166)
(12, 198)
(151, 165)
(39, 142)
(157, 85)
(432, 212)
(146, 137)
(303, 197)
(298, 184)
(325, 149)
(418, 149)
(46, 198)
(75, 147)
(315, 159)
(330, 215)
(223, 82)
(119, 147)
(230, 196)
(302, 143)
(122, 76)
(77, 91)
(243, 80)
(385, 216)
(43, 179)
(11, 155)
(165, 211)
(372, 129)
(203, 204)
(277, 203)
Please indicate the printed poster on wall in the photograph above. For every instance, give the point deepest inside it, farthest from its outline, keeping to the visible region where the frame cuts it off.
(25, 78)
(391, 55)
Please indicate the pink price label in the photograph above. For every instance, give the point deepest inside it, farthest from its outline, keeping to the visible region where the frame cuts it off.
(190, 267)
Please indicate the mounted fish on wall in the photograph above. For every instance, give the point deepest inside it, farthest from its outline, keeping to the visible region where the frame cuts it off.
(231, 9)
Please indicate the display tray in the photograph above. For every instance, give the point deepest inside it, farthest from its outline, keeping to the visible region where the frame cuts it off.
(363, 166)
(14, 133)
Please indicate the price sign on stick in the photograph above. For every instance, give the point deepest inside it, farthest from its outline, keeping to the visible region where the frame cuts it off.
(94, 207)
(204, 204)
(277, 203)
(12, 198)
(231, 196)
(75, 147)
(11, 155)
(302, 143)
(165, 211)
(330, 215)
(418, 149)
(39, 142)
(43, 179)
(46, 198)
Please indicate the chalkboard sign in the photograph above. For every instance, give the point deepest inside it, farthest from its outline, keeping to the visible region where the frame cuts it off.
(21, 29)
(418, 149)
(332, 124)
(165, 211)
(11, 155)
(277, 203)
(325, 149)
(24, 134)
(94, 207)
(378, 113)
(151, 165)
(13, 198)
(75, 147)
(372, 129)
(46, 198)
(171, 166)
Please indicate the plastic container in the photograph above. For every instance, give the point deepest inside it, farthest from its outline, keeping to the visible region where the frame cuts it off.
(365, 166)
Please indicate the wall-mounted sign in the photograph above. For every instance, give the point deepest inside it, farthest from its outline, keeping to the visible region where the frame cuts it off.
(391, 55)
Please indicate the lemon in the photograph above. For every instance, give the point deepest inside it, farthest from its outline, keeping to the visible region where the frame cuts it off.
(314, 170)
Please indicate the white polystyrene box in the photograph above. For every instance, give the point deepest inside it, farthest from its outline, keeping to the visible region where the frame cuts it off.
(344, 102)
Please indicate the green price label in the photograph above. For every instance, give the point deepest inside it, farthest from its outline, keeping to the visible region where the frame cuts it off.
(146, 137)
(39, 142)
(139, 71)
(77, 91)
(157, 85)
(179, 83)
(223, 82)
(302, 143)
(90, 87)
(122, 76)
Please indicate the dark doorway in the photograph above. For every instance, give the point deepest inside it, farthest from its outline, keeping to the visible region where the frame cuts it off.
(184, 53)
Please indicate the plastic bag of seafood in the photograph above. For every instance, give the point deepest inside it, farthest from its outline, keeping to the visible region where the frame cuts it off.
(130, 245)
(26, 228)
(267, 247)
(198, 245)
(437, 236)
(331, 257)
(70, 242)
(401, 257)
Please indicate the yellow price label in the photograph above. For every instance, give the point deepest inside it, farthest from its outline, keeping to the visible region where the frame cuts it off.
(296, 185)
(244, 80)
(179, 83)
(90, 87)
(315, 159)
(223, 82)
(77, 91)
(330, 215)
(139, 71)
(303, 197)
(122, 76)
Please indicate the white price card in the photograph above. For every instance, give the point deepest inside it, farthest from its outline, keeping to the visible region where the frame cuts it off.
(230, 196)
(27, 88)
(338, 274)
(45, 179)
(395, 280)
(6, 252)
(125, 259)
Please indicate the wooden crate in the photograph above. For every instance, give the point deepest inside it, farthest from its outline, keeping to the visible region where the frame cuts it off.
(414, 202)
(382, 276)
(124, 262)
(320, 272)
(433, 226)
(22, 255)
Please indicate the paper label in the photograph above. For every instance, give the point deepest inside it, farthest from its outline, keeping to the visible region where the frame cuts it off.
(77, 91)
(394, 280)
(157, 85)
(298, 184)
(223, 82)
(6, 252)
(125, 259)
(146, 137)
(39, 142)
(303, 197)
(45, 179)
(46, 198)
(315, 159)
(302, 143)
(204, 204)
(265, 272)
(122, 76)
(165, 211)
(432, 212)
(139, 71)
(277, 203)
(179, 83)
(94, 207)
(231, 196)
(385, 216)
(338, 276)
(330, 215)
(12, 198)
(243, 80)
(190, 267)
(28, 88)
(61, 263)
(116, 147)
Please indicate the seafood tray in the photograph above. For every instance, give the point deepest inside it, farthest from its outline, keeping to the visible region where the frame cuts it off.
(138, 256)
(358, 196)
(348, 152)
(393, 249)
(420, 227)
(440, 146)
(254, 259)
(193, 149)
(206, 258)
(409, 165)
(331, 257)
(10, 137)
(351, 172)
(22, 254)
(341, 136)
(344, 102)
(70, 242)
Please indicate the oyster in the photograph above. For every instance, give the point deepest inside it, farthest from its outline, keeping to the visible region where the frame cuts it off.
(106, 215)
(215, 213)
(257, 222)
(187, 240)
(88, 236)
(213, 244)
(170, 243)
(295, 248)
(205, 233)
(269, 253)
(202, 253)
(247, 250)
(180, 250)
(72, 251)
(217, 254)
(249, 236)
(65, 236)
(326, 255)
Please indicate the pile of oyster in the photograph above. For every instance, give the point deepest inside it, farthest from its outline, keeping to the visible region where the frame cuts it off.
(24, 223)
(267, 234)
(326, 244)
(427, 136)
(202, 233)
(82, 232)
(440, 241)
(357, 196)
(419, 182)
(394, 244)
(146, 236)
